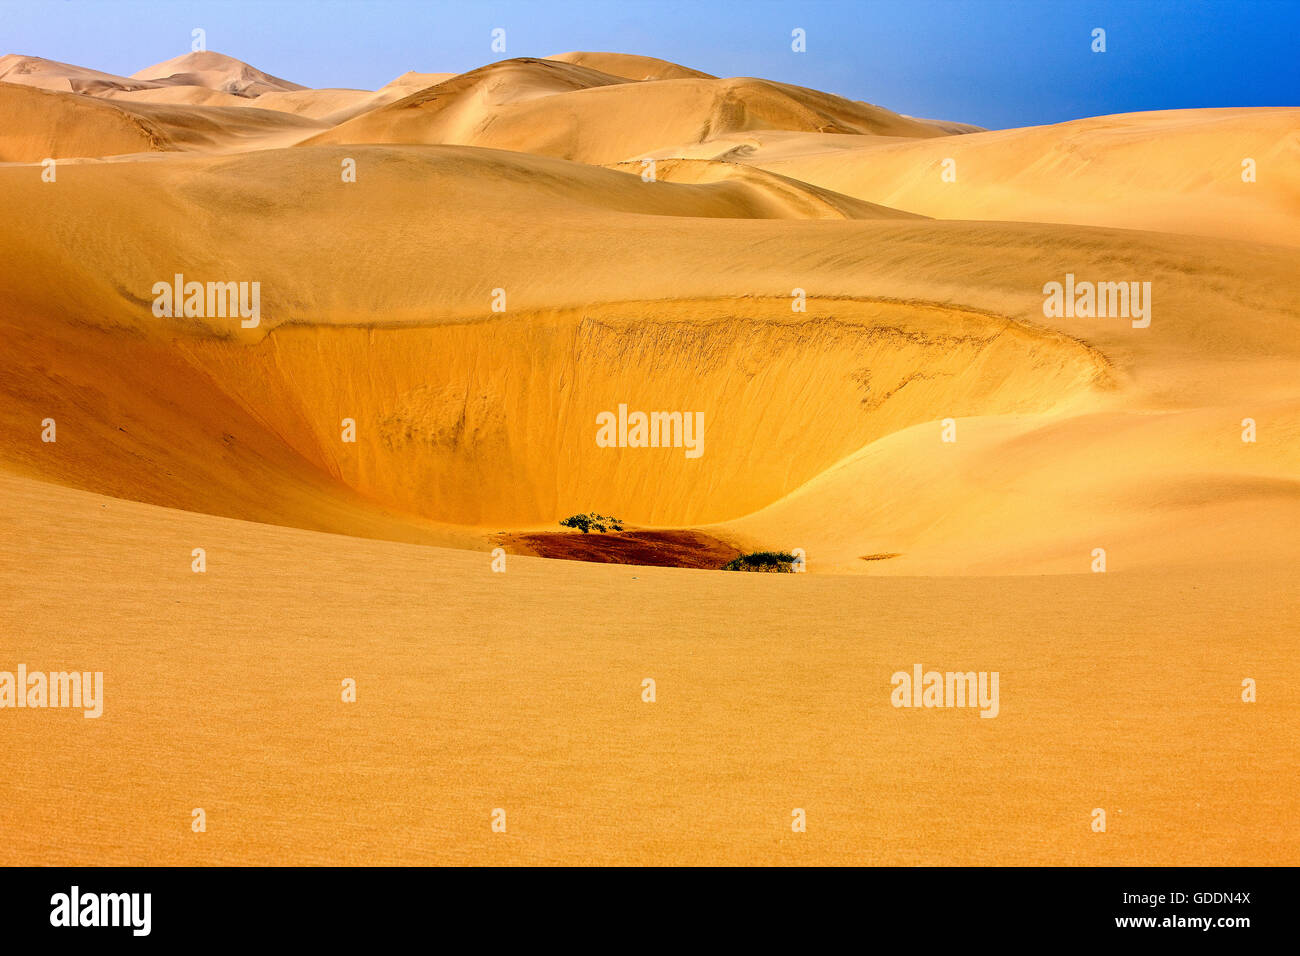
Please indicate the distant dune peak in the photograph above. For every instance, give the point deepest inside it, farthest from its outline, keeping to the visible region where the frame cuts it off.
(62, 77)
(216, 71)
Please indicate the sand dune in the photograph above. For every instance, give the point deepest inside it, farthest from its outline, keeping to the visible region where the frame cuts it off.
(780, 196)
(177, 95)
(63, 77)
(413, 80)
(216, 71)
(1173, 171)
(331, 107)
(498, 275)
(558, 109)
(223, 128)
(44, 124)
(40, 125)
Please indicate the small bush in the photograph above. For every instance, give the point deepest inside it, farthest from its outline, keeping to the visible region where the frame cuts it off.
(592, 522)
(769, 561)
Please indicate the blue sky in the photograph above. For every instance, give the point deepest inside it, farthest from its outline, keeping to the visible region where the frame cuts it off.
(995, 63)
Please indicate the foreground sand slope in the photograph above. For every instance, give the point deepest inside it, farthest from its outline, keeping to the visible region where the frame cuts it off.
(522, 690)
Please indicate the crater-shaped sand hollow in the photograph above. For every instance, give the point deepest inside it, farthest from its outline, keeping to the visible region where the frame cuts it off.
(494, 422)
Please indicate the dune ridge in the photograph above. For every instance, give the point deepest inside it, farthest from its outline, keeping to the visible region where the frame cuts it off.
(215, 71)
(574, 112)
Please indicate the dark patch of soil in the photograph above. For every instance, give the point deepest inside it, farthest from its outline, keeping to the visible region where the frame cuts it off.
(663, 549)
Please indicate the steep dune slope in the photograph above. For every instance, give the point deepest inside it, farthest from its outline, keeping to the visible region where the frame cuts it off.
(40, 124)
(494, 423)
(135, 420)
(424, 409)
(557, 109)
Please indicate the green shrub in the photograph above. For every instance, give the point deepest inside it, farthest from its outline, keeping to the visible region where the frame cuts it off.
(592, 522)
(769, 561)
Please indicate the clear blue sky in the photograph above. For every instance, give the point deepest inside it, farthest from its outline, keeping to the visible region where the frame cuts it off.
(995, 63)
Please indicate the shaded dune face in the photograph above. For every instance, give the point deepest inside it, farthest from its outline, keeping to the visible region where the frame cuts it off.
(39, 124)
(494, 423)
(138, 421)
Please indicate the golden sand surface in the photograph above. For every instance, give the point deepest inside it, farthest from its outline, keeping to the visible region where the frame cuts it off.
(797, 272)
(522, 691)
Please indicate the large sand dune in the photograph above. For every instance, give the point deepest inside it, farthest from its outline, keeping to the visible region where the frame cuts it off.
(1172, 171)
(64, 77)
(41, 124)
(49, 125)
(571, 111)
(501, 272)
(216, 71)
